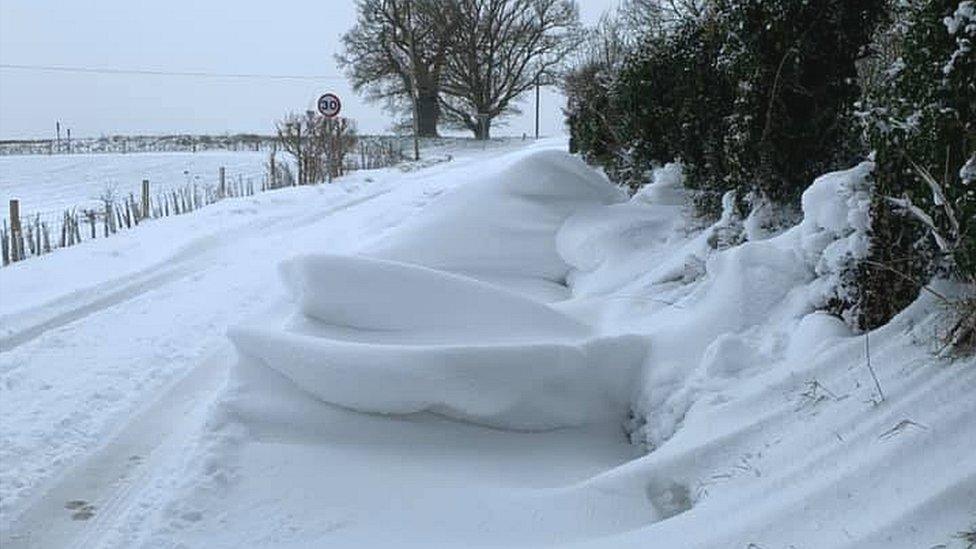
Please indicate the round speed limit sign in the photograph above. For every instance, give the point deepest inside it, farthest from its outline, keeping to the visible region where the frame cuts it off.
(329, 105)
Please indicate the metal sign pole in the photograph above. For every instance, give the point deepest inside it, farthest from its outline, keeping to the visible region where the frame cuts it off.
(537, 107)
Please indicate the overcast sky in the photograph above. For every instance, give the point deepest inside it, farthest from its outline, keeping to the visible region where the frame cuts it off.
(286, 37)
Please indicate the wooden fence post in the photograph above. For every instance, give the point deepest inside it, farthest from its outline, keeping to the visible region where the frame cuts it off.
(145, 198)
(223, 190)
(16, 245)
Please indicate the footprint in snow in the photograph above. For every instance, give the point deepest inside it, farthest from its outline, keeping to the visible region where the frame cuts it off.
(81, 509)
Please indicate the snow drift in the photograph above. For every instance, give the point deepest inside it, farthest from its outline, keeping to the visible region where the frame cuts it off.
(393, 338)
(421, 324)
(761, 422)
(501, 227)
(763, 419)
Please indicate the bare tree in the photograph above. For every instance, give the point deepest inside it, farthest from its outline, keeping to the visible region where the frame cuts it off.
(330, 140)
(318, 145)
(655, 15)
(501, 49)
(396, 53)
(606, 44)
(292, 132)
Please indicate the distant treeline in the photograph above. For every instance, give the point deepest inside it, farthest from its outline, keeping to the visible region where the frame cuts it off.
(138, 143)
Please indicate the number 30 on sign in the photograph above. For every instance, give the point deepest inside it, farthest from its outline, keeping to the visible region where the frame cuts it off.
(329, 105)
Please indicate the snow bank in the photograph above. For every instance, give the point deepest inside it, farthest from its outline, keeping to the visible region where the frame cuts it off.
(421, 323)
(666, 187)
(799, 448)
(710, 311)
(608, 246)
(762, 419)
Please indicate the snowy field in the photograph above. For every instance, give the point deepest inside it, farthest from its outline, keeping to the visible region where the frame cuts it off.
(502, 350)
(48, 184)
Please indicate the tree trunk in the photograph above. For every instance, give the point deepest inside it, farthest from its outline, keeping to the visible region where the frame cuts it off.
(428, 113)
(482, 131)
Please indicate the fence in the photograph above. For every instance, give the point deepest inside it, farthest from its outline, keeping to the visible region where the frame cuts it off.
(35, 234)
(29, 235)
(122, 144)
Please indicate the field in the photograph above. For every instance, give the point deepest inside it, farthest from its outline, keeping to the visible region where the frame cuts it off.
(46, 185)
(49, 184)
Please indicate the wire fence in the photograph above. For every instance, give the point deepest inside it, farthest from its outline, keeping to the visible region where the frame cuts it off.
(137, 144)
(25, 235)
(123, 144)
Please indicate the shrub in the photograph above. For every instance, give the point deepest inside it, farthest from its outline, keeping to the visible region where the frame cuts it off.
(666, 100)
(920, 122)
(751, 95)
(795, 68)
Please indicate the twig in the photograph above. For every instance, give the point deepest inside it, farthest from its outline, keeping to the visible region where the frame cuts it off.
(867, 354)
(901, 426)
(907, 278)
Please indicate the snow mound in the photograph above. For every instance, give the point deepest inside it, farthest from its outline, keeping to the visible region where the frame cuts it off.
(393, 338)
(764, 423)
(666, 187)
(714, 316)
(834, 230)
(753, 399)
(446, 314)
(607, 245)
(385, 297)
(501, 227)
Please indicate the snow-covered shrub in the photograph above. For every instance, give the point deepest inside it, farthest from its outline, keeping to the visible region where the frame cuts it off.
(758, 98)
(921, 121)
(664, 100)
(752, 96)
(794, 65)
(834, 235)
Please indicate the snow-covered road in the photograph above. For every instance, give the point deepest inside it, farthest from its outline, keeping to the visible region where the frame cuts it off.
(94, 334)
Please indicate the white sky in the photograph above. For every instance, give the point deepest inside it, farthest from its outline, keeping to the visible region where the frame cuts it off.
(224, 36)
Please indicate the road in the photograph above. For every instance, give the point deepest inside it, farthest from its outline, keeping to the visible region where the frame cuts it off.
(96, 382)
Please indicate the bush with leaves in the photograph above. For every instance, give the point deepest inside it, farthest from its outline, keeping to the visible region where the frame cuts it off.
(921, 121)
(795, 68)
(751, 95)
(665, 100)
(591, 133)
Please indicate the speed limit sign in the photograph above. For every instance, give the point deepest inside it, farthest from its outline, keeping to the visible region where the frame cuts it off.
(329, 105)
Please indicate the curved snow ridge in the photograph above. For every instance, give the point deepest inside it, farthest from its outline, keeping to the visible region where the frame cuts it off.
(381, 295)
(522, 386)
(392, 338)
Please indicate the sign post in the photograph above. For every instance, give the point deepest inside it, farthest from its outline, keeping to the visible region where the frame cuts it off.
(329, 105)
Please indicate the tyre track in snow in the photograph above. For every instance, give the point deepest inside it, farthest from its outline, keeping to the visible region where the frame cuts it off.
(92, 317)
(190, 259)
(109, 477)
(52, 431)
(187, 260)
